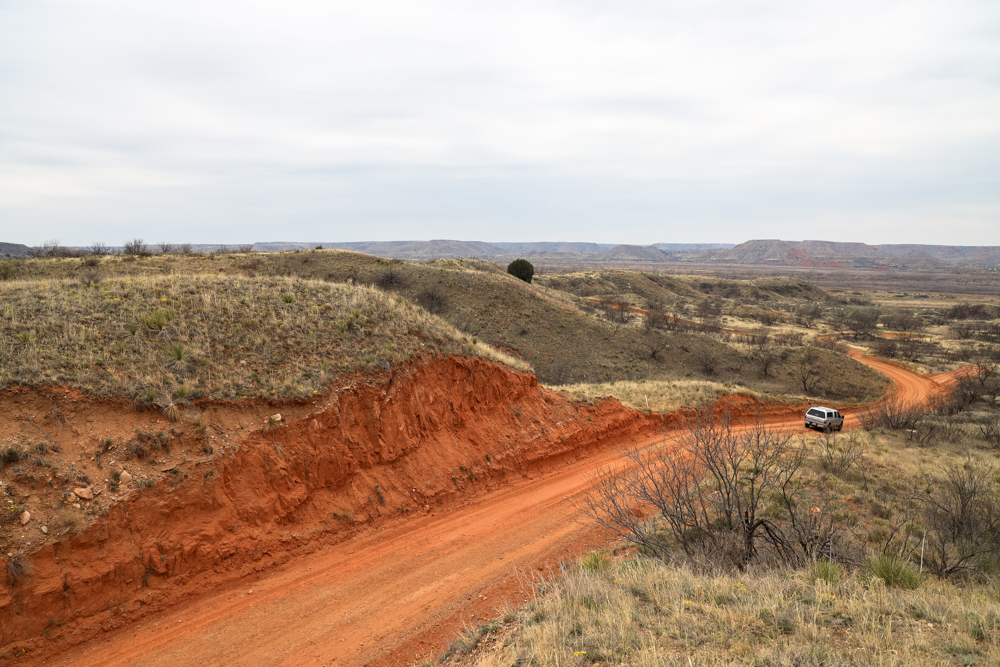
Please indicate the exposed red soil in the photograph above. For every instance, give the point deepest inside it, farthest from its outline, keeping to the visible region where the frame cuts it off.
(431, 436)
(290, 559)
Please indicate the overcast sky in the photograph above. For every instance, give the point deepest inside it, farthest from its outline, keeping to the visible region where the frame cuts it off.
(617, 122)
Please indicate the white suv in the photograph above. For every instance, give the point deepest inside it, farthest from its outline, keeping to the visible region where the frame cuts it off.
(825, 419)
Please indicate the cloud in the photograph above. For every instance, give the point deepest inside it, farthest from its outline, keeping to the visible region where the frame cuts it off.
(627, 122)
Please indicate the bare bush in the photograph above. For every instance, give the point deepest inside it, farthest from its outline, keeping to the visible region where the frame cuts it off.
(902, 321)
(990, 432)
(18, 568)
(655, 319)
(390, 278)
(967, 311)
(838, 454)
(184, 248)
(766, 358)
(981, 380)
(808, 372)
(165, 248)
(808, 315)
(864, 322)
(923, 432)
(887, 348)
(963, 519)
(892, 413)
(912, 349)
(50, 248)
(768, 318)
(706, 360)
(99, 249)
(655, 347)
(247, 247)
(789, 338)
(830, 343)
(617, 316)
(135, 247)
(433, 299)
(713, 494)
(949, 402)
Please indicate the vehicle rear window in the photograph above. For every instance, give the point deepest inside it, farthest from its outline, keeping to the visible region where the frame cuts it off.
(816, 413)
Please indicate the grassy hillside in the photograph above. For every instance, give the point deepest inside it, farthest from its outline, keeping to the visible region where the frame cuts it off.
(551, 324)
(161, 339)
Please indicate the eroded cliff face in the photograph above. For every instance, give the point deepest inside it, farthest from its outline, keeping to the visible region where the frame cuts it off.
(433, 434)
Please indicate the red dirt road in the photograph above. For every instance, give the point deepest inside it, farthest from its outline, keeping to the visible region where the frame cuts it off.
(397, 595)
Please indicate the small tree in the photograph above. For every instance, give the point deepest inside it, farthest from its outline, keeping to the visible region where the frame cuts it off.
(617, 316)
(521, 269)
(99, 249)
(809, 372)
(134, 247)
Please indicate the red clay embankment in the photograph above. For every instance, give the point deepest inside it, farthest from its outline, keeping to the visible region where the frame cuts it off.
(432, 436)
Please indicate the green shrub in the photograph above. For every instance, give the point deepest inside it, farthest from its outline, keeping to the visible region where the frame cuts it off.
(521, 269)
(826, 570)
(596, 561)
(893, 570)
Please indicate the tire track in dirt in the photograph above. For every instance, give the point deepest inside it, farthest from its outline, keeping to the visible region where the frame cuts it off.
(400, 594)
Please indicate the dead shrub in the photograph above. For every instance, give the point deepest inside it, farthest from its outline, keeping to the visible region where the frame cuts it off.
(433, 299)
(19, 568)
(390, 278)
(66, 523)
(963, 519)
(839, 453)
(712, 497)
(891, 413)
(990, 432)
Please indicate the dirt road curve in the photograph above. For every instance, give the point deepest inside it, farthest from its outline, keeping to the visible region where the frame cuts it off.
(394, 596)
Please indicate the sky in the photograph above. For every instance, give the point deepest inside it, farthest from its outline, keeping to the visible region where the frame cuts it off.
(612, 122)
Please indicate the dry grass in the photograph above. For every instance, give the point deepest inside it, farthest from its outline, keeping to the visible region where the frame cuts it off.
(547, 323)
(168, 339)
(662, 395)
(642, 612)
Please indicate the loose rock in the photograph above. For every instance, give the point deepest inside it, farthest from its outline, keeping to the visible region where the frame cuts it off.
(84, 493)
(25, 517)
(45, 530)
(125, 478)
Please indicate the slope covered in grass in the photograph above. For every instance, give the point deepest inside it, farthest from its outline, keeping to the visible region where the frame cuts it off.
(550, 324)
(161, 339)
